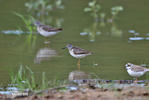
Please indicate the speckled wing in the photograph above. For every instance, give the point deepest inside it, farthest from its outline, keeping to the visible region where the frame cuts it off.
(77, 50)
(49, 28)
(137, 68)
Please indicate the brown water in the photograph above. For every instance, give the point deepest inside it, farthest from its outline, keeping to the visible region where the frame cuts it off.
(112, 48)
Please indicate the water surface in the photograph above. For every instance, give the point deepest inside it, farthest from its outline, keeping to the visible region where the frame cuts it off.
(116, 45)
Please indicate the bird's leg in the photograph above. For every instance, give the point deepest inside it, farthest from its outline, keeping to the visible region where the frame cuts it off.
(46, 41)
(78, 64)
(136, 81)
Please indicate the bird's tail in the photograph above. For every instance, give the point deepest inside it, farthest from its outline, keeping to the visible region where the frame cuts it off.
(59, 29)
(147, 70)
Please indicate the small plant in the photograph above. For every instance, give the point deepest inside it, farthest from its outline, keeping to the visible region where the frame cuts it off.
(99, 20)
(102, 16)
(115, 10)
(44, 84)
(58, 4)
(93, 8)
(115, 31)
(24, 79)
(91, 32)
(42, 7)
(28, 20)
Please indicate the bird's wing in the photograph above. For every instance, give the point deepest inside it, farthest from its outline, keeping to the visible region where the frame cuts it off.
(77, 50)
(137, 68)
(49, 28)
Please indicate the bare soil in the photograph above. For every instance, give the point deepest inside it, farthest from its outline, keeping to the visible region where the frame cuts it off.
(129, 93)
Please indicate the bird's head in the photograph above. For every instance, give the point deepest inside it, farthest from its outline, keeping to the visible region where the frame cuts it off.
(69, 46)
(128, 65)
(37, 23)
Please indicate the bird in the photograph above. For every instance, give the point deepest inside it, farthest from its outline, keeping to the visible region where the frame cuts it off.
(46, 30)
(77, 52)
(136, 70)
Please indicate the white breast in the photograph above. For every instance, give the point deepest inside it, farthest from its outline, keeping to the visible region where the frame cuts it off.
(135, 74)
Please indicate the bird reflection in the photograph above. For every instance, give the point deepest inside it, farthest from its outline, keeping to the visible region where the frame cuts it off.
(78, 75)
(44, 54)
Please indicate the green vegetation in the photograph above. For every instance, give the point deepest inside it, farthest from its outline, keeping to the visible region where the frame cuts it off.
(43, 10)
(28, 21)
(115, 11)
(93, 8)
(43, 7)
(99, 20)
(25, 79)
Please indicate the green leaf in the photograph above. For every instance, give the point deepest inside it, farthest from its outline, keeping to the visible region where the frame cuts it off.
(102, 15)
(98, 7)
(91, 3)
(58, 2)
(113, 13)
(87, 9)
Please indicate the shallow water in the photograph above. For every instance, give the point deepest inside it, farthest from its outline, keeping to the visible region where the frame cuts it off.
(124, 40)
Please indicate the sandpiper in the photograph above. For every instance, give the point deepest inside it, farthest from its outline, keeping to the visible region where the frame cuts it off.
(136, 70)
(77, 53)
(46, 30)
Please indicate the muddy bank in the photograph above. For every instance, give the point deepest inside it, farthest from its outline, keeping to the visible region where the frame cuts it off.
(128, 93)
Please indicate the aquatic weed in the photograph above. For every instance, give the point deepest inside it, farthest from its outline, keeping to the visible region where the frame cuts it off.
(43, 7)
(94, 8)
(24, 78)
